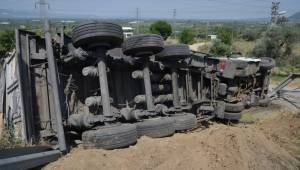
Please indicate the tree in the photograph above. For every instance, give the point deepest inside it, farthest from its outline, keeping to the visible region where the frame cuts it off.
(225, 35)
(7, 41)
(161, 27)
(276, 43)
(219, 48)
(187, 36)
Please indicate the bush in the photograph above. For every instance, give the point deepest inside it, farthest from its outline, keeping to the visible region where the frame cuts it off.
(187, 36)
(161, 27)
(225, 35)
(250, 35)
(7, 41)
(219, 48)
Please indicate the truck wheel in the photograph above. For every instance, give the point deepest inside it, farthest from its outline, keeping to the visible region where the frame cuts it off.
(110, 137)
(185, 121)
(267, 63)
(174, 52)
(234, 107)
(143, 44)
(156, 127)
(97, 33)
(232, 116)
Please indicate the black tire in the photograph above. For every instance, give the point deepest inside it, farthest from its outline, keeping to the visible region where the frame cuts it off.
(174, 52)
(185, 121)
(232, 116)
(234, 107)
(110, 137)
(267, 63)
(156, 127)
(91, 34)
(143, 44)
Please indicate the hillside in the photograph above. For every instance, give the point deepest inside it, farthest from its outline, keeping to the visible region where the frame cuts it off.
(7, 13)
(295, 17)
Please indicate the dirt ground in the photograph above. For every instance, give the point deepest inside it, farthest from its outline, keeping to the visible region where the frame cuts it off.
(272, 142)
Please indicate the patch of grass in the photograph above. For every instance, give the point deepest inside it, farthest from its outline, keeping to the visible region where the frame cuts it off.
(296, 48)
(276, 79)
(7, 140)
(284, 71)
(247, 118)
(171, 40)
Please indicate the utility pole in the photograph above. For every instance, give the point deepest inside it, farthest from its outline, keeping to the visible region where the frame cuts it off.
(137, 20)
(274, 12)
(277, 17)
(174, 22)
(52, 66)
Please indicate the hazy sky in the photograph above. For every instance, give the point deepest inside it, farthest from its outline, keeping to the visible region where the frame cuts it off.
(186, 9)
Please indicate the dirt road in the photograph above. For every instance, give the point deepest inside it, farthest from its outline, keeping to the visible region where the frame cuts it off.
(272, 142)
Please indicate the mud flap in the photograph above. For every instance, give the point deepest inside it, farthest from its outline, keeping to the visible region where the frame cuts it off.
(220, 109)
(230, 69)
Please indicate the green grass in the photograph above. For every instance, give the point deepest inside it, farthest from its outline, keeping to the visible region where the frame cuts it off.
(276, 79)
(247, 118)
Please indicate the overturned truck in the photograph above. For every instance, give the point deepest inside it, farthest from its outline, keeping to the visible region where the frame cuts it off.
(100, 90)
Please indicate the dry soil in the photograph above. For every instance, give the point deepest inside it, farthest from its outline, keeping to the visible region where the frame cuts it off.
(272, 142)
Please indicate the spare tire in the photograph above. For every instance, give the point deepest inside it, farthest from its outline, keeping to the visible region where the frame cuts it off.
(267, 63)
(185, 121)
(234, 107)
(110, 137)
(143, 44)
(156, 127)
(232, 116)
(91, 34)
(174, 52)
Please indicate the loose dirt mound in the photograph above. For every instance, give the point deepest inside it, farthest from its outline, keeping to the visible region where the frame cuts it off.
(218, 147)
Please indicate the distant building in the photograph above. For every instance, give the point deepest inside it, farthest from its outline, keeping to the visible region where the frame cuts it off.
(67, 21)
(127, 31)
(22, 26)
(4, 23)
(212, 36)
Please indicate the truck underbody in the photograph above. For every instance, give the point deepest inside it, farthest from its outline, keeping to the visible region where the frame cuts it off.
(109, 96)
